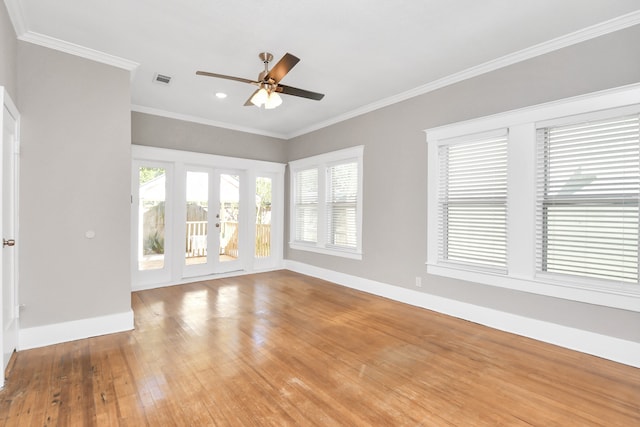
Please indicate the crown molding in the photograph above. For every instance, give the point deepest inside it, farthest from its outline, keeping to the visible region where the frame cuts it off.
(77, 50)
(200, 120)
(585, 34)
(21, 27)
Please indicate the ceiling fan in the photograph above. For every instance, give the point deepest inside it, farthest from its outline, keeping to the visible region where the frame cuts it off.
(268, 82)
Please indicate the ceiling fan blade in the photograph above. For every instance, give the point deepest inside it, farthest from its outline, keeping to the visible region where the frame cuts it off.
(283, 66)
(222, 76)
(249, 103)
(289, 90)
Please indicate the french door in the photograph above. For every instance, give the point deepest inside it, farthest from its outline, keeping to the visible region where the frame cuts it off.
(214, 232)
(198, 215)
(188, 221)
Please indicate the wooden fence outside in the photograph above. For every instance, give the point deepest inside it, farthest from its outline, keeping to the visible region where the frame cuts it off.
(196, 239)
(263, 240)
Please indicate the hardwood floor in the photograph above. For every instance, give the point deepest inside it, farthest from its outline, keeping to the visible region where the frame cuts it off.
(285, 349)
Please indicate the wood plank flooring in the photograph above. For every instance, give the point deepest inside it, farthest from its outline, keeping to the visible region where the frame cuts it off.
(278, 349)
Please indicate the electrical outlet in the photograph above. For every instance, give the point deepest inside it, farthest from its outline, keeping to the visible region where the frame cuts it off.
(418, 281)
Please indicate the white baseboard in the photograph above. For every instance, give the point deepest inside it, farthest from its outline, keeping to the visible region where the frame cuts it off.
(146, 286)
(607, 347)
(40, 336)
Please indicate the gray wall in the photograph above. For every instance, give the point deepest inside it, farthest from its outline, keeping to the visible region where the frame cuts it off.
(164, 132)
(75, 176)
(8, 49)
(395, 173)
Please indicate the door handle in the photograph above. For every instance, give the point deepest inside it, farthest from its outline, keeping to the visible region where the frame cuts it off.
(218, 224)
(10, 242)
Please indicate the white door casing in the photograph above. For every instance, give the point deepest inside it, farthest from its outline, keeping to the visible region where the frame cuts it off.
(8, 228)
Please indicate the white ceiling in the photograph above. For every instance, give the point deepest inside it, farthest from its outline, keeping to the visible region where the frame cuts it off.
(362, 54)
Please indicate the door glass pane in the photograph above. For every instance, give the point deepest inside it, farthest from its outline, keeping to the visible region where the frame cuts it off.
(152, 189)
(263, 217)
(197, 215)
(229, 207)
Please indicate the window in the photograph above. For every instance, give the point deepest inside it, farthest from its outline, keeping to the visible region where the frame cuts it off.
(472, 201)
(342, 205)
(551, 209)
(587, 209)
(306, 205)
(326, 206)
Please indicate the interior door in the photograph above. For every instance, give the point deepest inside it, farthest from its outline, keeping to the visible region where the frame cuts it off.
(9, 166)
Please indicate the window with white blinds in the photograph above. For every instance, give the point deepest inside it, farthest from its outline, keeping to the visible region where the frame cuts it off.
(472, 201)
(306, 205)
(326, 205)
(342, 203)
(555, 211)
(588, 183)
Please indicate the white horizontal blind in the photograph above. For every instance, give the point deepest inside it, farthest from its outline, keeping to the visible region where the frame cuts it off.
(588, 182)
(306, 205)
(342, 202)
(472, 202)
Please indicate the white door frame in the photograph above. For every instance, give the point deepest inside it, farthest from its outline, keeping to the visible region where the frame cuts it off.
(9, 342)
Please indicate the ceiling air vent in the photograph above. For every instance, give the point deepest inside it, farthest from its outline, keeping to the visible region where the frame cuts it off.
(161, 78)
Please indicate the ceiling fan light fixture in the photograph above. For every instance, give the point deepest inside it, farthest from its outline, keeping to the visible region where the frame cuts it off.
(269, 82)
(260, 97)
(273, 101)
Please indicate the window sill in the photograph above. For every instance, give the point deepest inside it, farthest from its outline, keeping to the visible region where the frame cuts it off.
(616, 297)
(341, 252)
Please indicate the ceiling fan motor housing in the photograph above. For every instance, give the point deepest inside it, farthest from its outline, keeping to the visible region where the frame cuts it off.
(265, 57)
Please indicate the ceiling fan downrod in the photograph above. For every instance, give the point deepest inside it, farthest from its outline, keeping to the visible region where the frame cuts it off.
(266, 58)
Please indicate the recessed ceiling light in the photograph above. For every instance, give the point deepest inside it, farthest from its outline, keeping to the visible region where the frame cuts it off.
(221, 95)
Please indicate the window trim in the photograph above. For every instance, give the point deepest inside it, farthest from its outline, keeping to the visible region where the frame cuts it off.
(521, 196)
(322, 162)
